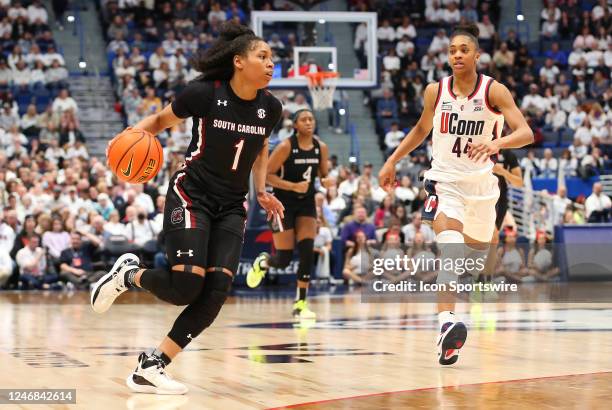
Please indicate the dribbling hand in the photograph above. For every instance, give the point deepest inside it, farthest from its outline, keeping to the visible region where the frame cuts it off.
(272, 206)
(386, 177)
(482, 150)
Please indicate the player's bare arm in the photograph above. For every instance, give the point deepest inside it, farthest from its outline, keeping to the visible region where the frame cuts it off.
(160, 121)
(324, 166)
(277, 159)
(414, 139)
(267, 201)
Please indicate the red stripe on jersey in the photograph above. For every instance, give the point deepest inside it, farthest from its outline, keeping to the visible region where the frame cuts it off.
(217, 83)
(450, 87)
(185, 197)
(439, 94)
(489, 106)
(478, 83)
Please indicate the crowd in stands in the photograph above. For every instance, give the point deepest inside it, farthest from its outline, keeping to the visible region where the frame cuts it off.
(65, 217)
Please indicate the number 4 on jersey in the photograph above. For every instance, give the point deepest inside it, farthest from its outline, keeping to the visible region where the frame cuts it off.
(457, 147)
(306, 175)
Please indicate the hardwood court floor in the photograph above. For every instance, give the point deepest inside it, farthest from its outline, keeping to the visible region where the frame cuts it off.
(356, 356)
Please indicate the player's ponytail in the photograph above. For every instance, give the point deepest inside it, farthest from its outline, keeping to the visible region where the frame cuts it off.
(469, 30)
(217, 62)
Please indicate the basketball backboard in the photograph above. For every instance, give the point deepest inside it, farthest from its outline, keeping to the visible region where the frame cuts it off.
(323, 41)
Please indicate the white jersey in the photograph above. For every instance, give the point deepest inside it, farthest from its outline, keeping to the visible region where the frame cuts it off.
(458, 121)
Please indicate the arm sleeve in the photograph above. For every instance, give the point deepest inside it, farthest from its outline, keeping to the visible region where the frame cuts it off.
(194, 100)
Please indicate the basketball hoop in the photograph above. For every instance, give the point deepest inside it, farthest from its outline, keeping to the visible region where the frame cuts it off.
(322, 86)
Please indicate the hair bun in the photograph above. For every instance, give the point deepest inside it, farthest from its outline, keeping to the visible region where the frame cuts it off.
(470, 28)
(229, 31)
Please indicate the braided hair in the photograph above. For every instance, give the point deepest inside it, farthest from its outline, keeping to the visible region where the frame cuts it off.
(217, 62)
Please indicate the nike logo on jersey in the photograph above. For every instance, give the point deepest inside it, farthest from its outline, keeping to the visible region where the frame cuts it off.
(451, 124)
(180, 253)
(128, 171)
(222, 102)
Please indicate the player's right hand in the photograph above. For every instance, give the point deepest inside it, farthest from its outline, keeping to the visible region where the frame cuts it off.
(301, 187)
(386, 177)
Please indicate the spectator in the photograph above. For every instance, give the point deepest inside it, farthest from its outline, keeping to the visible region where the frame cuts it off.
(387, 106)
(550, 28)
(540, 261)
(555, 118)
(359, 223)
(75, 261)
(576, 118)
(286, 131)
(56, 240)
(550, 71)
(440, 42)
(577, 149)
(404, 47)
(299, 103)
(560, 204)
(598, 205)
(32, 266)
(393, 138)
(452, 15)
(322, 248)
(64, 102)
(548, 165)
(114, 226)
(141, 230)
(511, 260)
(568, 164)
(359, 259)
(433, 12)
(417, 226)
(216, 15)
(405, 30)
(385, 33)
(557, 55)
(486, 29)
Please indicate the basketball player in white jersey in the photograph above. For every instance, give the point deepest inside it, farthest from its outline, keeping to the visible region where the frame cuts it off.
(466, 112)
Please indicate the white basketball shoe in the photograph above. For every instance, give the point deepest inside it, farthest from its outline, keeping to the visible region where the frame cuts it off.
(150, 376)
(108, 287)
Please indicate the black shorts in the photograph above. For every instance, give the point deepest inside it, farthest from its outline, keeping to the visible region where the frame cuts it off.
(501, 207)
(199, 231)
(295, 208)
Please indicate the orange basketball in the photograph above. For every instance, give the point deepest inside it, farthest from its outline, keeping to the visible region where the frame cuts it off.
(135, 156)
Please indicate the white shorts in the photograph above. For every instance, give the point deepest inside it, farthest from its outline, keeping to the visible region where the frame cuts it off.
(472, 202)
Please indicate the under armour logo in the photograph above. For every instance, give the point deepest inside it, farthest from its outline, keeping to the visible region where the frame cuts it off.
(189, 336)
(189, 253)
(222, 102)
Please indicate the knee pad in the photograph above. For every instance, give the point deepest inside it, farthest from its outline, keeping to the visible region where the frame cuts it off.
(306, 254)
(452, 248)
(475, 260)
(281, 259)
(187, 286)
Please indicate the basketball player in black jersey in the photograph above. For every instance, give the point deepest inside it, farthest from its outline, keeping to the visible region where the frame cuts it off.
(292, 170)
(204, 216)
(508, 171)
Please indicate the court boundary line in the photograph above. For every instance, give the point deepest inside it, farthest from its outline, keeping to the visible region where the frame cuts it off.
(297, 405)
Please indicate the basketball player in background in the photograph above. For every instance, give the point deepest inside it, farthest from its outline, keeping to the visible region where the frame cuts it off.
(466, 111)
(508, 171)
(292, 169)
(204, 215)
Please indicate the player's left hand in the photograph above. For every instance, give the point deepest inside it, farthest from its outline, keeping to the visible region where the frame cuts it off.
(482, 151)
(271, 205)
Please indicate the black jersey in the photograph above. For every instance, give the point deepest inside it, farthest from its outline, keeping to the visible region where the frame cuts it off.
(228, 134)
(509, 162)
(301, 165)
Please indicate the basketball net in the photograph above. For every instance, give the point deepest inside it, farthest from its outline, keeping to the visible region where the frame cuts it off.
(322, 86)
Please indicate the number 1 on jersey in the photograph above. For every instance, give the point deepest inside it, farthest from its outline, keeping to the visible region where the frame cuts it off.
(238, 146)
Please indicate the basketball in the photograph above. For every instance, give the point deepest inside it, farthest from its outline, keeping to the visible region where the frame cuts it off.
(134, 156)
